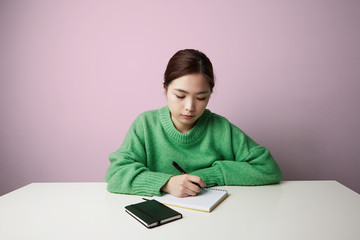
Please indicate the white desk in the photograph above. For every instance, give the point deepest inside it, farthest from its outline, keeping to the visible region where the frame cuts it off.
(290, 210)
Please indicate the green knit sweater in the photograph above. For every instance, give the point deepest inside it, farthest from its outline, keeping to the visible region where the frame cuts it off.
(214, 149)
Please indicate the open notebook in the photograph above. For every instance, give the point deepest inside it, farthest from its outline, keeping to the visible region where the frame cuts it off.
(205, 201)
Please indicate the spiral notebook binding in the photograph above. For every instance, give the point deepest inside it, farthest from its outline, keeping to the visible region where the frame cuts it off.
(216, 189)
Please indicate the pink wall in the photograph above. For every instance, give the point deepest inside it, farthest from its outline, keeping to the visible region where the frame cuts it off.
(75, 74)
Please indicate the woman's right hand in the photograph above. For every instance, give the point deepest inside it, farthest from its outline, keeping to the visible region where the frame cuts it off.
(183, 185)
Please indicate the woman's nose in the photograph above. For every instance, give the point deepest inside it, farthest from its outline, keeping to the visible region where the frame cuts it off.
(190, 105)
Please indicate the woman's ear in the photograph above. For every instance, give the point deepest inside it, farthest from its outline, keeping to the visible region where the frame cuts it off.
(165, 87)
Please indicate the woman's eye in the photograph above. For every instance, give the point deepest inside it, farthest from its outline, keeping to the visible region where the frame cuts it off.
(180, 96)
(201, 99)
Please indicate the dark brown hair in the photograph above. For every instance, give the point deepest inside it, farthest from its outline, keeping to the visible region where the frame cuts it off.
(189, 61)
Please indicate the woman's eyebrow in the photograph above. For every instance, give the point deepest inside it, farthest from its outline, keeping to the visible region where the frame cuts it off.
(183, 91)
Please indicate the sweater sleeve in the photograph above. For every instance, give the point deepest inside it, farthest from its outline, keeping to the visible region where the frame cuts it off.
(128, 172)
(252, 164)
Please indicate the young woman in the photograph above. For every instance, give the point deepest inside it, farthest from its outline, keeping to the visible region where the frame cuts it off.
(207, 146)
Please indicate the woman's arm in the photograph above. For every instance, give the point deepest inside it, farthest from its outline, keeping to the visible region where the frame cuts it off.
(252, 165)
(128, 172)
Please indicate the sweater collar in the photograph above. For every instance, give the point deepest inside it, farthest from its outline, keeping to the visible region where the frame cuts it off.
(189, 137)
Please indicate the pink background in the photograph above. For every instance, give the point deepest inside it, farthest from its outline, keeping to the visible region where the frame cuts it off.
(75, 74)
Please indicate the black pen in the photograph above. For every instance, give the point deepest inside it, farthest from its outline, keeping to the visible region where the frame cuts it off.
(183, 172)
(178, 167)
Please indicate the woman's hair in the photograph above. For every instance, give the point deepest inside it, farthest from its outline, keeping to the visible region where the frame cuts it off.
(189, 61)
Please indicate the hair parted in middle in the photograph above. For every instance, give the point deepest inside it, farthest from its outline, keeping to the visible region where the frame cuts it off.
(189, 61)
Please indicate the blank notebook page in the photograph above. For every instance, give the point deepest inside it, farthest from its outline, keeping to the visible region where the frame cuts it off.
(206, 200)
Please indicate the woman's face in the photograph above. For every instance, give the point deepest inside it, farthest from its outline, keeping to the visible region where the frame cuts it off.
(187, 98)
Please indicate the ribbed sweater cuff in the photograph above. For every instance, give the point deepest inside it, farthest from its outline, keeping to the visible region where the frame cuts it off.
(150, 183)
(212, 176)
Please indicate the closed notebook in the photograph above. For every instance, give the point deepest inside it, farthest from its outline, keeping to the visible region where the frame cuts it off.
(152, 213)
(206, 200)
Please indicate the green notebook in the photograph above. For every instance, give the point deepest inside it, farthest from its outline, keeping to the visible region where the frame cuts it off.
(152, 213)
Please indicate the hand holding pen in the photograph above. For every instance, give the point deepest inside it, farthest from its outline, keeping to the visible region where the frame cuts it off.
(183, 185)
(183, 172)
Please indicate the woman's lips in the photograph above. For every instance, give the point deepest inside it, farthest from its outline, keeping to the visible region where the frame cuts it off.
(187, 116)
